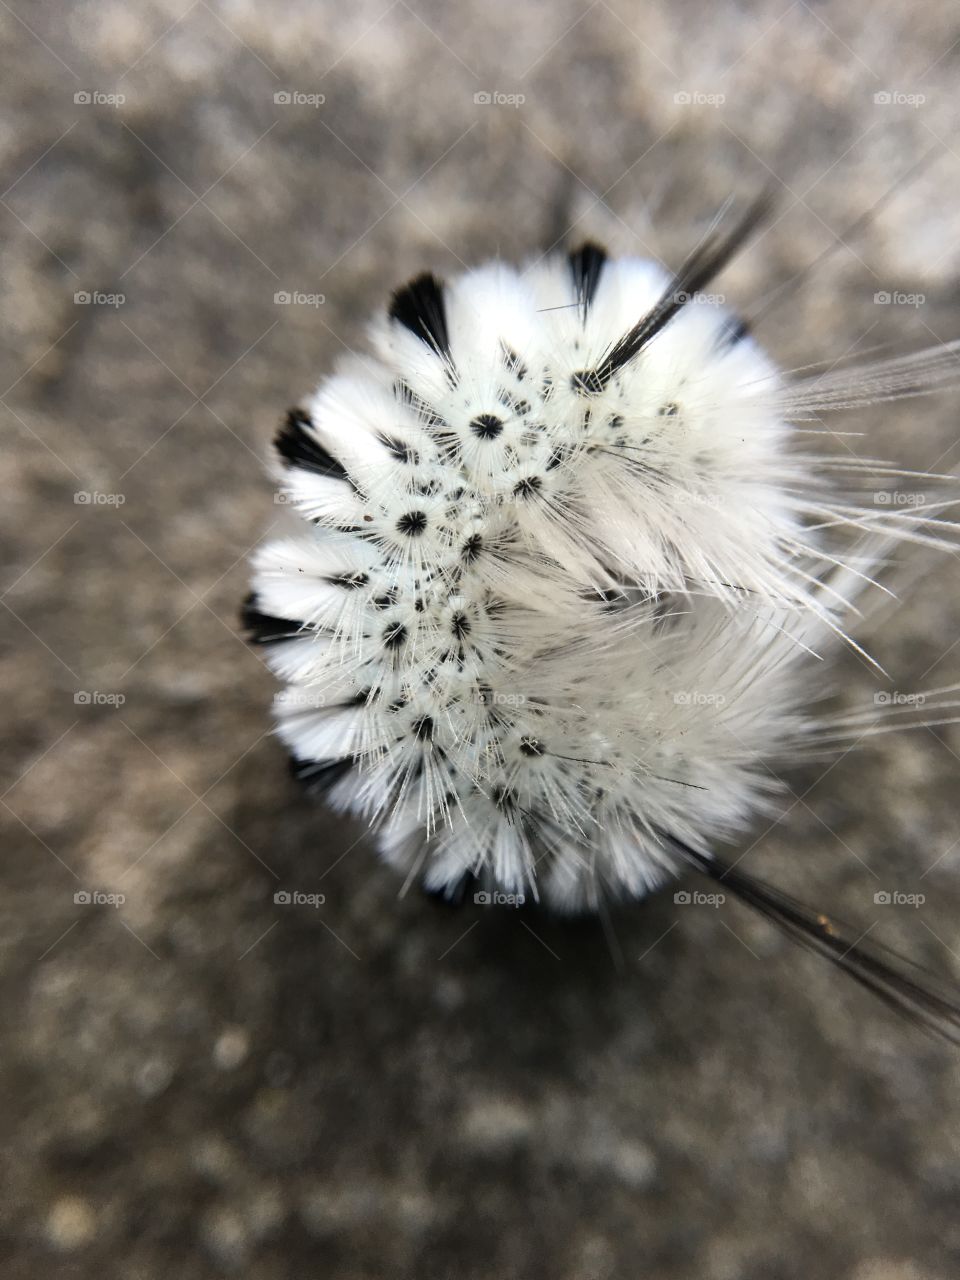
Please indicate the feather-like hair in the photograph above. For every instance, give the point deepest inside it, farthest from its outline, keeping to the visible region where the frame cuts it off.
(560, 563)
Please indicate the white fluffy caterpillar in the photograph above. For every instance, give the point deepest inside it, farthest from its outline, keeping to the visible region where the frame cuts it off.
(563, 565)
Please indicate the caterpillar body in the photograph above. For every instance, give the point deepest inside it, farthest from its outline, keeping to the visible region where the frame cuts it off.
(563, 560)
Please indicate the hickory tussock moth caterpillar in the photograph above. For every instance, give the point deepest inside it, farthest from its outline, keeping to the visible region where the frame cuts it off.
(561, 561)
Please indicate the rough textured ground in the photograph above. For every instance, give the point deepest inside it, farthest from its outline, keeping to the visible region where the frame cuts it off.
(200, 1082)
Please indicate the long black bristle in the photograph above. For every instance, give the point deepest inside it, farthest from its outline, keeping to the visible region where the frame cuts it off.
(299, 447)
(586, 267)
(700, 268)
(924, 998)
(420, 307)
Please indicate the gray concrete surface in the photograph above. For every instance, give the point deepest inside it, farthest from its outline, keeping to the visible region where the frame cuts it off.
(200, 1083)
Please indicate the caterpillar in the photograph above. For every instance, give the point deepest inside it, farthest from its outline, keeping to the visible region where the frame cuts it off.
(565, 556)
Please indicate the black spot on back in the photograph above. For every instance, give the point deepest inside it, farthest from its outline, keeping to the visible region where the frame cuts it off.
(486, 426)
(395, 635)
(420, 307)
(425, 411)
(518, 406)
(504, 799)
(514, 363)
(298, 447)
(402, 452)
(412, 523)
(527, 487)
(587, 382)
(460, 625)
(423, 729)
(586, 267)
(472, 548)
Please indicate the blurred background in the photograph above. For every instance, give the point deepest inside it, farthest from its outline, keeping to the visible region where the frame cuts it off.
(200, 1081)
